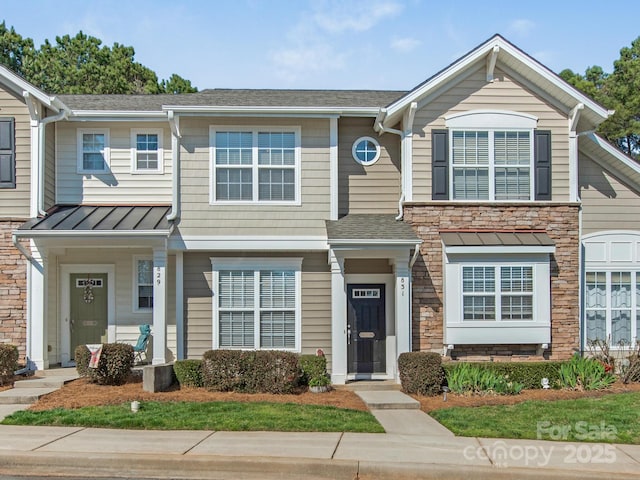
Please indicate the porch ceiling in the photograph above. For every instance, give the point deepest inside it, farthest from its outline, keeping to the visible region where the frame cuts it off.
(370, 229)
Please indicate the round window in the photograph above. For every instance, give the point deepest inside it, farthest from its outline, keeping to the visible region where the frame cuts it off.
(366, 151)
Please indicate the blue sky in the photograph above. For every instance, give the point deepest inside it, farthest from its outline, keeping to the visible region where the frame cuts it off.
(370, 44)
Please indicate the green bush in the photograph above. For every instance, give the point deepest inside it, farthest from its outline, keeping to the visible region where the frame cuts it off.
(473, 378)
(82, 356)
(581, 373)
(421, 372)
(529, 374)
(314, 370)
(263, 371)
(114, 366)
(188, 372)
(8, 361)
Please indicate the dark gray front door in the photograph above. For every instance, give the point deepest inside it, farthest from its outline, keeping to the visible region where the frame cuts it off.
(366, 333)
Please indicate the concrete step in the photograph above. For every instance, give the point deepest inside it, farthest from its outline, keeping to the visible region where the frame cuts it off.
(43, 382)
(57, 372)
(388, 399)
(369, 385)
(23, 395)
(6, 410)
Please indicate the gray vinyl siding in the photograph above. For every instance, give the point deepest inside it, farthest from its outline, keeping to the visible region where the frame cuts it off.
(607, 203)
(316, 301)
(50, 166)
(307, 219)
(119, 185)
(14, 202)
(371, 189)
(474, 93)
(126, 319)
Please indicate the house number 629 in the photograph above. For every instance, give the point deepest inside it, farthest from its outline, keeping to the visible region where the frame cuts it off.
(158, 276)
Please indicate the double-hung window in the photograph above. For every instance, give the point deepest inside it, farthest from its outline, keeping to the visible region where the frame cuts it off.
(143, 283)
(257, 304)
(500, 293)
(491, 164)
(146, 151)
(93, 150)
(260, 165)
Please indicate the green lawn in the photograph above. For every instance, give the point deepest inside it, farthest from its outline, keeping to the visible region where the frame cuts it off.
(613, 418)
(231, 416)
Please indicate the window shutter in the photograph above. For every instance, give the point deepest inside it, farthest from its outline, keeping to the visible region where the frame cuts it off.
(542, 164)
(440, 165)
(7, 153)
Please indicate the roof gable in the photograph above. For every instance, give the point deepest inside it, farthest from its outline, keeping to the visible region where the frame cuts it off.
(499, 49)
(19, 86)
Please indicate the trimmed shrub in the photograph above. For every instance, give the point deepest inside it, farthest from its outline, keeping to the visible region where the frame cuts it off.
(82, 356)
(312, 367)
(114, 366)
(582, 373)
(263, 371)
(421, 372)
(529, 374)
(8, 361)
(188, 372)
(473, 378)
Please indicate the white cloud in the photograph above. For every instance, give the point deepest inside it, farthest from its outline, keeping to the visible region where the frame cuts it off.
(356, 16)
(521, 27)
(405, 44)
(305, 60)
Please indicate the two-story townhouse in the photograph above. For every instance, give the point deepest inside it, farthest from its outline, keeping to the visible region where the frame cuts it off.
(473, 215)
(26, 114)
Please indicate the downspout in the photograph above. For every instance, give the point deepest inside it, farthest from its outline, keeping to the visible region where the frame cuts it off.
(63, 115)
(174, 124)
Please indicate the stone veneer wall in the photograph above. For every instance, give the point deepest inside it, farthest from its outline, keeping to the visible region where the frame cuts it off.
(560, 221)
(13, 290)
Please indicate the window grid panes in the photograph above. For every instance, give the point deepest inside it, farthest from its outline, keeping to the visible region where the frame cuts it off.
(491, 165)
(93, 148)
(612, 310)
(262, 302)
(255, 166)
(147, 151)
(497, 293)
(144, 282)
(366, 151)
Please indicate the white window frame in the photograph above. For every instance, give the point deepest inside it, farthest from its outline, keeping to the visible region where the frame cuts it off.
(80, 150)
(134, 151)
(492, 121)
(354, 154)
(213, 129)
(256, 265)
(136, 298)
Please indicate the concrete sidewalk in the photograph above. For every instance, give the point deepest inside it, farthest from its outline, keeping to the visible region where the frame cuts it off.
(222, 455)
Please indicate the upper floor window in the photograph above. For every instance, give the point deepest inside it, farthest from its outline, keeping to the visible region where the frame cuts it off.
(255, 165)
(93, 150)
(491, 165)
(7, 153)
(146, 151)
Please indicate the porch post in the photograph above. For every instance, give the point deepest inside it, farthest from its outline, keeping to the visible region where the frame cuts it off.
(403, 307)
(37, 351)
(159, 305)
(338, 321)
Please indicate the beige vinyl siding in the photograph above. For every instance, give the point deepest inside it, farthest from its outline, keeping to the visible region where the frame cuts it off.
(200, 218)
(474, 93)
(126, 319)
(367, 266)
(118, 185)
(14, 202)
(371, 189)
(607, 203)
(316, 301)
(50, 166)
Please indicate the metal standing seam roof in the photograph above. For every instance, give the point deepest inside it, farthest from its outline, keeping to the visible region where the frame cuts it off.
(367, 228)
(87, 218)
(224, 97)
(492, 239)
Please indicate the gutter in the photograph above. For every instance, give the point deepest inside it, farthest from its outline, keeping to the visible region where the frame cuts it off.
(174, 124)
(63, 115)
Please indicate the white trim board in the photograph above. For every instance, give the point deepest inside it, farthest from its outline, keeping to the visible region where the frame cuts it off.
(64, 327)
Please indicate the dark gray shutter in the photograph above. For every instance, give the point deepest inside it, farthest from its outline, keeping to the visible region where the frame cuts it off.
(542, 164)
(7, 153)
(440, 165)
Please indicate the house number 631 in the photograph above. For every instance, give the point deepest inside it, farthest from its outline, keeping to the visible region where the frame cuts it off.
(402, 287)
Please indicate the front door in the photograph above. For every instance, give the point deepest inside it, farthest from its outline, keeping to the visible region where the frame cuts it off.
(88, 309)
(366, 331)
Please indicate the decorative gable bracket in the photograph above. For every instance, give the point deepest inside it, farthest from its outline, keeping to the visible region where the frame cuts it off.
(491, 62)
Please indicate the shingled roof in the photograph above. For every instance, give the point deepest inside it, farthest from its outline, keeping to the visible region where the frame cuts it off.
(368, 228)
(222, 97)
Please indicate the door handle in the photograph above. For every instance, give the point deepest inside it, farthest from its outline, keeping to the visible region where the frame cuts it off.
(348, 334)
